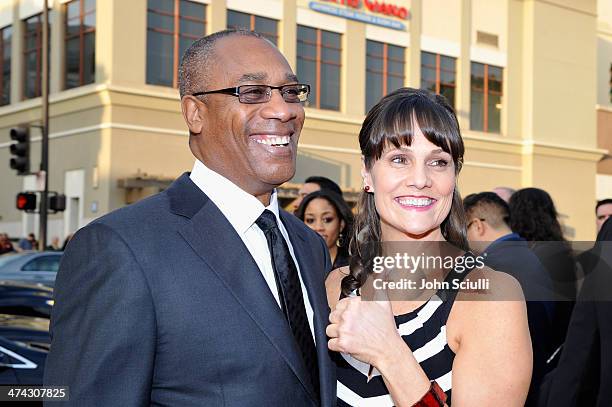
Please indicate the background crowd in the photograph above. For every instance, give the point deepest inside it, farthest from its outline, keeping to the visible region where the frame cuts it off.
(9, 245)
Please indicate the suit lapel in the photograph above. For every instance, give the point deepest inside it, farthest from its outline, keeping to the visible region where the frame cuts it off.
(215, 241)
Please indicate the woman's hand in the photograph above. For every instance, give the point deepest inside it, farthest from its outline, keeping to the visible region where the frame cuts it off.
(364, 329)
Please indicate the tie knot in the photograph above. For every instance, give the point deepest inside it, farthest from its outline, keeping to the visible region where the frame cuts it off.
(266, 221)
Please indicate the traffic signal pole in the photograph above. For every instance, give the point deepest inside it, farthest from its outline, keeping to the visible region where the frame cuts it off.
(44, 161)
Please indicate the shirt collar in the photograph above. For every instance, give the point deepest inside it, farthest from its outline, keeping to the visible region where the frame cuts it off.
(515, 237)
(509, 236)
(239, 207)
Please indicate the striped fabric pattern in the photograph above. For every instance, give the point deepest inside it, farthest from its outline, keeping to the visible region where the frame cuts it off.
(424, 331)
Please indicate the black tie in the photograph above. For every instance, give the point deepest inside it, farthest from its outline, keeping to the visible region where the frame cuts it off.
(290, 293)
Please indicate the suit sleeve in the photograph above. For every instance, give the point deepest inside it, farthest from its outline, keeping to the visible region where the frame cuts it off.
(103, 323)
(566, 382)
(327, 258)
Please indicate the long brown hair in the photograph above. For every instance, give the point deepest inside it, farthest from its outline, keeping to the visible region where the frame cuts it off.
(391, 122)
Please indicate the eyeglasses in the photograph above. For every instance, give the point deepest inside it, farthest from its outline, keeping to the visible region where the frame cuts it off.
(294, 93)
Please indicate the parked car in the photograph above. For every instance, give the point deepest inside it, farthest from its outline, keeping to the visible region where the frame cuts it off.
(18, 298)
(24, 345)
(31, 267)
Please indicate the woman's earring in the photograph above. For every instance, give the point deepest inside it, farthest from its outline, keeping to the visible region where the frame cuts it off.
(340, 241)
(366, 188)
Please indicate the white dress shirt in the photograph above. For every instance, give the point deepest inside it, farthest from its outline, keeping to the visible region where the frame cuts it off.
(242, 209)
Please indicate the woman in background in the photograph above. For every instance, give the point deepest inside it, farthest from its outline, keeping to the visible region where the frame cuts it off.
(329, 215)
(534, 217)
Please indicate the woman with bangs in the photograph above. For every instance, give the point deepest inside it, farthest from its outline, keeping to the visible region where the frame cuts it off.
(444, 346)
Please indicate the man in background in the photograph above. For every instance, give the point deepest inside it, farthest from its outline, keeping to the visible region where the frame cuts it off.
(584, 372)
(489, 234)
(312, 184)
(603, 210)
(28, 243)
(55, 244)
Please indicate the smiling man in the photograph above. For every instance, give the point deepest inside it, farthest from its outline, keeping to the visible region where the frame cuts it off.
(206, 294)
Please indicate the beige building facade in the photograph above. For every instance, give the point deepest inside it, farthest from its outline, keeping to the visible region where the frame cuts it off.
(539, 116)
(604, 98)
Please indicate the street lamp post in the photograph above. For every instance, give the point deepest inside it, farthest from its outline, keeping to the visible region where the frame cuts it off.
(44, 162)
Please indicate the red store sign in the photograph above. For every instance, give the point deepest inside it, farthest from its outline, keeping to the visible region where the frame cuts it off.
(376, 6)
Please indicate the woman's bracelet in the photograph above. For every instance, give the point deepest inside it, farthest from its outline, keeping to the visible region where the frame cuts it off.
(435, 397)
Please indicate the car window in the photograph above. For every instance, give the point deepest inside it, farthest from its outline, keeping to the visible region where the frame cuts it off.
(8, 258)
(43, 263)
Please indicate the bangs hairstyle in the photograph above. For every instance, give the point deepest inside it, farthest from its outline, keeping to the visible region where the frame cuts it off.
(393, 123)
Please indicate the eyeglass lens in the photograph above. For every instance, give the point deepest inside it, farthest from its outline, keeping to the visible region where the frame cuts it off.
(262, 93)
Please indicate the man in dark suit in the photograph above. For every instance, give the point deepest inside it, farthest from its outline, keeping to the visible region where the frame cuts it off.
(205, 294)
(489, 235)
(584, 372)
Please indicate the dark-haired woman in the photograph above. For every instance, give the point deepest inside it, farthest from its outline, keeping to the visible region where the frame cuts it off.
(421, 350)
(329, 215)
(533, 216)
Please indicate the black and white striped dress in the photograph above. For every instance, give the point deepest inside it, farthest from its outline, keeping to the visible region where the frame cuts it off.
(424, 330)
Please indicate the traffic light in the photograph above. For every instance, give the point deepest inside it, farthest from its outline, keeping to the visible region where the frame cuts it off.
(26, 201)
(20, 150)
(57, 203)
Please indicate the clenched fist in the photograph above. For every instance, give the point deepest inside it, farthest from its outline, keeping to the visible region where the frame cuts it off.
(364, 329)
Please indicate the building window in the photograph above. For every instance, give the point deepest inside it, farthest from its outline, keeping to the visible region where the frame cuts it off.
(439, 75)
(5, 54)
(80, 38)
(32, 56)
(264, 26)
(384, 70)
(172, 26)
(486, 97)
(319, 64)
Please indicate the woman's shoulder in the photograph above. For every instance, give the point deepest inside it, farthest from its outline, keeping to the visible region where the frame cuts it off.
(338, 273)
(488, 298)
(333, 284)
(490, 329)
(484, 283)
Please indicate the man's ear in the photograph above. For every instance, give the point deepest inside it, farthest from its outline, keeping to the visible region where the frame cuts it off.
(193, 111)
(480, 227)
(366, 176)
